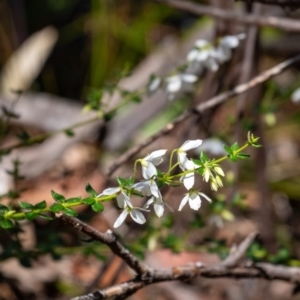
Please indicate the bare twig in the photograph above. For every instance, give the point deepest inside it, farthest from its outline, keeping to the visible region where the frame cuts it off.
(284, 3)
(249, 19)
(108, 239)
(242, 88)
(237, 253)
(226, 269)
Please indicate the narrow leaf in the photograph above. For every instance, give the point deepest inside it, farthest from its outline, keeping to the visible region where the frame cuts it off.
(31, 215)
(57, 197)
(97, 207)
(90, 190)
(6, 224)
(41, 205)
(56, 207)
(25, 205)
(70, 212)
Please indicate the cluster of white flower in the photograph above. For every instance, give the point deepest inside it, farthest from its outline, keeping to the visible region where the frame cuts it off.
(203, 56)
(149, 186)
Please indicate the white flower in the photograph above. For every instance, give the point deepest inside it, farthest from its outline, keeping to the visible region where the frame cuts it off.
(122, 199)
(147, 188)
(158, 204)
(193, 197)
(296, 96)
(135, 214)
(181, 152)
(150, 161)
(174, 83)
(185, 164)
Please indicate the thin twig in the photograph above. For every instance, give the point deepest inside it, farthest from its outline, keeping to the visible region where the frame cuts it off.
(190, 271)
(283, 3)
(108, 239)
(237, 253)
(242, 88)
(249, 19)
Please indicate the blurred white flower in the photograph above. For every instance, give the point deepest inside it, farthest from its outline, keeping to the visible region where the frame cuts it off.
(147, 188)
(175, 83)
(150, 161)
(296, 96)
(193, 197)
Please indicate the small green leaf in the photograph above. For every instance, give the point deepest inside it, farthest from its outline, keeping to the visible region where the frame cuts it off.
(227, 149)
(88, 201)
(242, 155)
(6, 224)
(46, 217)
(3, 208)
(69, 132)
(136, 99)
(97, 207)
(233, 158)
(31, 215)
(57, 197)
(73, 200)
(235, 146)
(56, 207)
(70, 212)
(25, 205)
(41, 205)
(203, 157)
(90, 190)
(197, 162)
(122, 181)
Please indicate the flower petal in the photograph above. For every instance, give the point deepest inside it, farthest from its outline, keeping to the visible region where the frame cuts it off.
(156, 156)
(148, 170)
(154, 189)
(110, 191)
(194, 201)
(230, 41)
(137, 216)
(183, 202)
(189, 78)
(205, 196)
(190, 144)
(173, 84)
(188, 180)
(159, 209)
(154, 84)
(121, 218)
(192, 55)
(201, 43)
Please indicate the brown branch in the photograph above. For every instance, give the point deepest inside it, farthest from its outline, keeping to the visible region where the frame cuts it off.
(242, 88)
(249, 19)
(283, 3)
(225, 269)
(108, 239)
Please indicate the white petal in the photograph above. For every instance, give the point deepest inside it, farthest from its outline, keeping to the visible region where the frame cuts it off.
(211, 64)
(121, 218)
(192, 55)
(159, 209)
(194, 201)
(189, 78)
(174, 86)
(188, 180)
(203, 55)
(230, 41)
(123, 200)
(181, 156)
(137, 216)
(154, 84)
(183, 202)
(149, 202)
(296, 96)
(154, 189)
(190, 144)
(148, 170)
(201, 43)
(214, 146)
(189, 165)
(156, 156)
(110, 191)
(205, 196)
